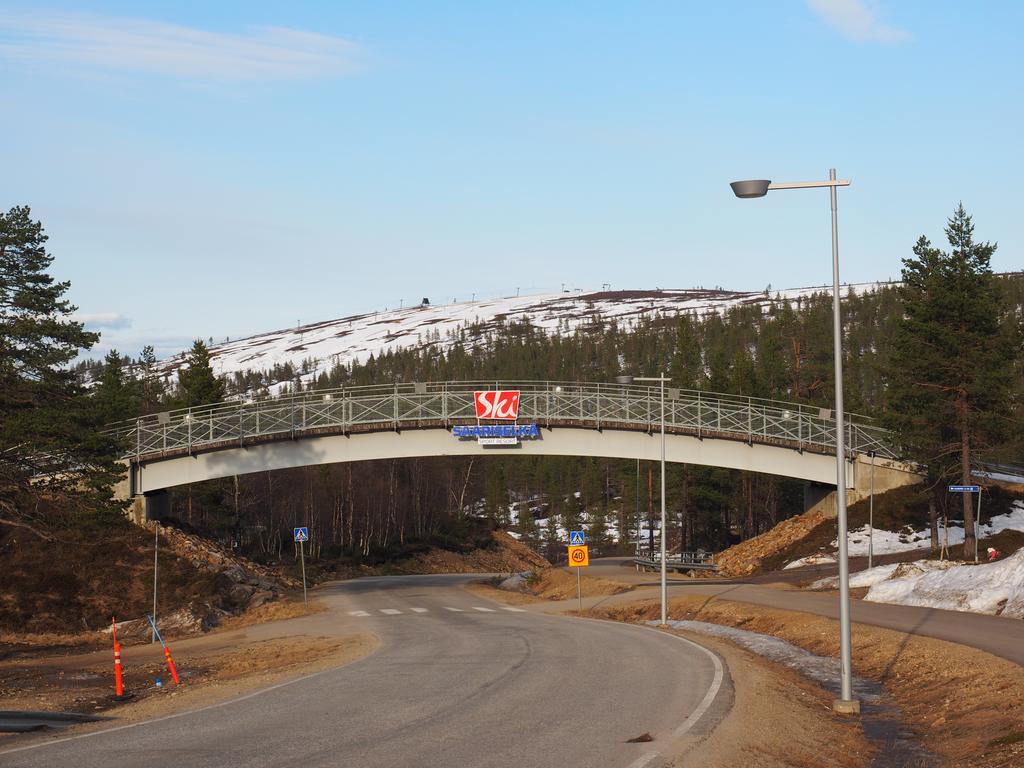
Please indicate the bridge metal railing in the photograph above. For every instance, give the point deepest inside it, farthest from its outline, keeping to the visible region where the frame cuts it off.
(679, 561)
(547, 403)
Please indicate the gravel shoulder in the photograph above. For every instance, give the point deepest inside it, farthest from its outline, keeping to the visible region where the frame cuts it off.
(777, 718)
(213, 669)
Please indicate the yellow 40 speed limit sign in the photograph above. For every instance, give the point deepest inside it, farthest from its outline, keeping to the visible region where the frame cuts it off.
(578, 557)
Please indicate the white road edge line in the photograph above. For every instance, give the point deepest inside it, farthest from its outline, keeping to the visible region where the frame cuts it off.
(705, 703)
(516, 610)
(485, 610)
(643, 760)
(176, 715)
(358, 613)
(709, 697)
(390, 611)
(449, 608)
(419, 610)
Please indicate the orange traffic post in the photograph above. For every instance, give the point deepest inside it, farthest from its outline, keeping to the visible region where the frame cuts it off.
(118, 678)
(167, 652)
(170, 665)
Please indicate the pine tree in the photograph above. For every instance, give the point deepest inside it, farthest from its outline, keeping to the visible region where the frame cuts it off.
(151, 388)
(116, 395)
(49, 425)
(952, 368)
(197, 384)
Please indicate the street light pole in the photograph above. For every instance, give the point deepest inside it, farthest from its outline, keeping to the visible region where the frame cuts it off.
(660, 379)
(759, 188)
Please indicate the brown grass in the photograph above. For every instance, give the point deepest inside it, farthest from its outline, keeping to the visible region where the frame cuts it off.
(962, 701)
(559, 584)
(278, 610)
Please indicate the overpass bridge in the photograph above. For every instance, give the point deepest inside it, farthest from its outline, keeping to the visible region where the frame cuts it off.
(406, 420)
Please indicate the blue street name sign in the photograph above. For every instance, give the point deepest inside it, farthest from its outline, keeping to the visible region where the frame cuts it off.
(964, 488)
(301, 534)
(577, 539)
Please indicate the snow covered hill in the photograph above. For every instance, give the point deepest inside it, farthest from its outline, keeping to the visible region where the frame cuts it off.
(354, 338)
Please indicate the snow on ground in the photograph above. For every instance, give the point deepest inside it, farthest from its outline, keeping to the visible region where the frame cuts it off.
(819, 559)
(891, 542)
(1005, 477)
(356, 337)
(996, 588)
(871, 576)
(823, 670)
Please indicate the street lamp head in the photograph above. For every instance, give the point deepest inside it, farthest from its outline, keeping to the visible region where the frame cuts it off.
(623, 379)
(750, 188)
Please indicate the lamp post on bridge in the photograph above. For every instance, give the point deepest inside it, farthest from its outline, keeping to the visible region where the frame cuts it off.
(759, 188)
(664, 572)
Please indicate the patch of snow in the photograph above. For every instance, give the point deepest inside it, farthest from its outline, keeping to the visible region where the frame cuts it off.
(860, 579)
(1003, 476)
(823, 670)
(819, 559)
(995, 588)
(872, 576)
(514, 583)
(891, 542)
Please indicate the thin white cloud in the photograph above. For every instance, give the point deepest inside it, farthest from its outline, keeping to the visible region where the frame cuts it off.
(857, 20)
(153, 47)
(101, 319)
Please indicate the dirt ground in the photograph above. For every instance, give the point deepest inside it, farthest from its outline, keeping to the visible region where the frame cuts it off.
(966, 705)
(778, 718)
(207, 677)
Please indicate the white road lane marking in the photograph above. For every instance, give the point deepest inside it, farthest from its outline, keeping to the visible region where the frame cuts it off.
(390, 611)
(419, 610)
(358, 613)
(456, 610)
(485, 610)
(643, 761)
(515, 610)
(712, 691)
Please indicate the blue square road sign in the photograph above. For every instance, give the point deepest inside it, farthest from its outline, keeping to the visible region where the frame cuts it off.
(577, 539)
(301, 534)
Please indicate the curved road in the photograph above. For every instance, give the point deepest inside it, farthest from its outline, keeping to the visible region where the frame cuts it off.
(458, 680)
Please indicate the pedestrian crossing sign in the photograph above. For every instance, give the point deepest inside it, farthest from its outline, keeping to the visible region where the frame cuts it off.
(301, 534)
(577, 539)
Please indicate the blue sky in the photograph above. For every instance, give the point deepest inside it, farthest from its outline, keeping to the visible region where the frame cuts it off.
(220, 169)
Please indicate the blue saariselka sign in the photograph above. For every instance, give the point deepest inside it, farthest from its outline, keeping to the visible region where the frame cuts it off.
(519, 431)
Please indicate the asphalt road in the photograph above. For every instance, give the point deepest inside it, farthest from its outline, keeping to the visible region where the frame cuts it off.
(997, 635)
(450, 685)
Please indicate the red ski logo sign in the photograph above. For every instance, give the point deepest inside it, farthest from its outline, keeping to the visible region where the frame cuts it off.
(497, 404)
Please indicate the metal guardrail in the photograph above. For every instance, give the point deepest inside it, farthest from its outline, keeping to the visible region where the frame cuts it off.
(546, 403)
(676, 561)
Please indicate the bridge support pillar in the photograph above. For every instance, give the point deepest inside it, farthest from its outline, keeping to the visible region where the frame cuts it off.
(820, 497)
(156, 505)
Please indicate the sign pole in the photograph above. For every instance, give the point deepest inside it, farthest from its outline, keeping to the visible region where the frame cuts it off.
(302, 559)
(977, 526)
(156, 560)
(871, 516)
(977, 519)
(579, 592)
(579, 557)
